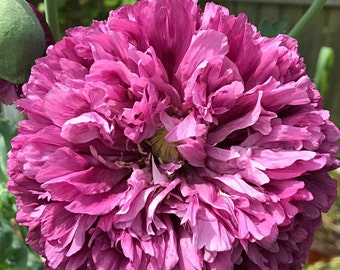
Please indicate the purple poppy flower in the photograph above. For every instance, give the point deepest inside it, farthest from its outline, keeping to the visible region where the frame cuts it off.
(171, 138)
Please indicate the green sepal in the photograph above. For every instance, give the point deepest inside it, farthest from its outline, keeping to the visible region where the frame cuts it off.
(22, 40)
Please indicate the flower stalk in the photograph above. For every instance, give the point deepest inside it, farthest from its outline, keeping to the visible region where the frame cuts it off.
(304, 21)
(51, 12)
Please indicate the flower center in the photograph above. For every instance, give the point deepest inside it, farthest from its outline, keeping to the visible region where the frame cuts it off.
(161, 148)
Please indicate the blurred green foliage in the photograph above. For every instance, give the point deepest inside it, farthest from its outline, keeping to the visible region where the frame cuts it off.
(272, 29)
(333, 264)
(82, 12)
(324, 67)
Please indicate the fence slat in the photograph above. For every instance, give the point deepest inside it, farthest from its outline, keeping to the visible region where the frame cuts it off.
(270, 12)
(286, 2)
(250, 9)
(332, 33)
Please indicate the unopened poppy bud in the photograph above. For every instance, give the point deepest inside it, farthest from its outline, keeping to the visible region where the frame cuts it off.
(22, 40)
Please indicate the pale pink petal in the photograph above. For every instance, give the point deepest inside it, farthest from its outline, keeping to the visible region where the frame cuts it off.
(87, 127)
(190, 257)
(186, 129)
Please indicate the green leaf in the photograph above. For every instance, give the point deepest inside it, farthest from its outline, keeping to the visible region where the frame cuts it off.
(272, 29)
(8, 207)
(323, 69)
(7, 201)
(8, 130)
(3, 160)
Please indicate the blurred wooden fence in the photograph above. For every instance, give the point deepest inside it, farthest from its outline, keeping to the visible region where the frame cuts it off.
(324, 31)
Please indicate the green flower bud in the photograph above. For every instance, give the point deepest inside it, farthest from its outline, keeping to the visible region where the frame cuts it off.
(22, 40)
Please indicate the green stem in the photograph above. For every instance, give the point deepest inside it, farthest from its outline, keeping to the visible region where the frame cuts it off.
(51, 12)
(313, 10)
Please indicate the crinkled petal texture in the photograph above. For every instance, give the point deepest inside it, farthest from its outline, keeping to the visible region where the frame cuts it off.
(172, 138)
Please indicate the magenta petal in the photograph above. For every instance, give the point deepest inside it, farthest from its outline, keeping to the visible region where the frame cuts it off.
(85, 128)
(237, 184)
(151, 218)
(209, 233)
(280, 159)
(179, 21)
(79, 238)
(185, 129)
(215, 41)
(63, 161)
(194, 152)
(157, 176)
(190, 256)
(83, 181)
(102, 203)
(71, 103)
(244, 121)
